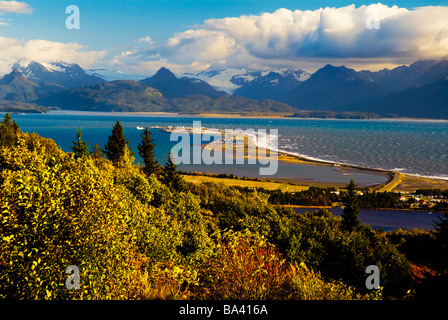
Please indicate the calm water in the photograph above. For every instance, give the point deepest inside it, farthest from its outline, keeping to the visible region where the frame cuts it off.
(413, 147)
(390, 219)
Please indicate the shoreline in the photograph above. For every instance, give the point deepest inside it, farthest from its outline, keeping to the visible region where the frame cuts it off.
(226, 115)
(394, 180)
(397, 181)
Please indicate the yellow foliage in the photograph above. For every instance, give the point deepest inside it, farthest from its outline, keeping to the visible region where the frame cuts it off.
(57, 212)
(309, 285)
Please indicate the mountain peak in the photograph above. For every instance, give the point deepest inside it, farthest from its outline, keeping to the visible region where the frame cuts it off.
(34, 67)
(15, 74)
(329, 66)
(164, 73)
(335, 73)
(172, 87)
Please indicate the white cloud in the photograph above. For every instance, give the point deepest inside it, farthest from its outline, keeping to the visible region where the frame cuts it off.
(302, 39)
(145, 39)
(14, 6)
(44, 51)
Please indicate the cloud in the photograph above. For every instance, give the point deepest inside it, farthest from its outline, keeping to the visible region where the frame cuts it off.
(14, 50)
(286, 38)
(145, 39)
(14, 6)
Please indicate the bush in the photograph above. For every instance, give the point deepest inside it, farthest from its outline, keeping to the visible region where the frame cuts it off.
(319, 242)
(245, 267)
(309, 285)
(59, 212)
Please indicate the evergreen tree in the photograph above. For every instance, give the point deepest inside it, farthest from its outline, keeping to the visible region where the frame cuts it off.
(8, 131)
(350, 219)
(97, 152)
(146, 151)
(80, 148)
(115, 149)
(171, 177)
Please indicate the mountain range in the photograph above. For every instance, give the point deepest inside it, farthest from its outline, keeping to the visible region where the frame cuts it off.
(418, 90)
(161, 92)
(65, 75)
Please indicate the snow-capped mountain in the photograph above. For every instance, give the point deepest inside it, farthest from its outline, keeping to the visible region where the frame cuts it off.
(270, 84)
(263, 76)
(259, 85)
(219, 79)
(68, 75)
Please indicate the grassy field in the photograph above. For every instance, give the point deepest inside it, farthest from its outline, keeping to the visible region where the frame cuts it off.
(247, 183)
(411, 183)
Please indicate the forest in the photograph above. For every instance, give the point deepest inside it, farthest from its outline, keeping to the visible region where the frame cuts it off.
(140, 231)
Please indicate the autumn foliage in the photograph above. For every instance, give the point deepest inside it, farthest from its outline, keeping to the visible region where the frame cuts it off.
(132, 236)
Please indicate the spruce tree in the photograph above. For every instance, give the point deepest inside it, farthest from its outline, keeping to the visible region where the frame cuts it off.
(79, 148)
(350, 219)
(8, 131)
(171, 177)
(115, 148)
(97, 152)
(146, 151)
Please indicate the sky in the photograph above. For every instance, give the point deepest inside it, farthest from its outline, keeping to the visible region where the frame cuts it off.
(139, 37)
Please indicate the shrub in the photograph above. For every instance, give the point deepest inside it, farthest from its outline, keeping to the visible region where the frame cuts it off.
(58, 212)
(196, 244)
(168, 281)
(319, 242)
(245, 267)
(309, 285)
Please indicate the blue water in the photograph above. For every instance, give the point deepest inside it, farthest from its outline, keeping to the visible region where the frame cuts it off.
(413, 147)
(390, 219)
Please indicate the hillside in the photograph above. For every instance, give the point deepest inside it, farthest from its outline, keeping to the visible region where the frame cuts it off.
(332, 89)
(14, 106)
(120, 95)
(428, 101)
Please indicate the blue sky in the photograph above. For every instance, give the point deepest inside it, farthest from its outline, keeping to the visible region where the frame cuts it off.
(109, 23)
(110, 32)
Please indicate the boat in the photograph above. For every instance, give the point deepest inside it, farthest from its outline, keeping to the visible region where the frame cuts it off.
(140, 128)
